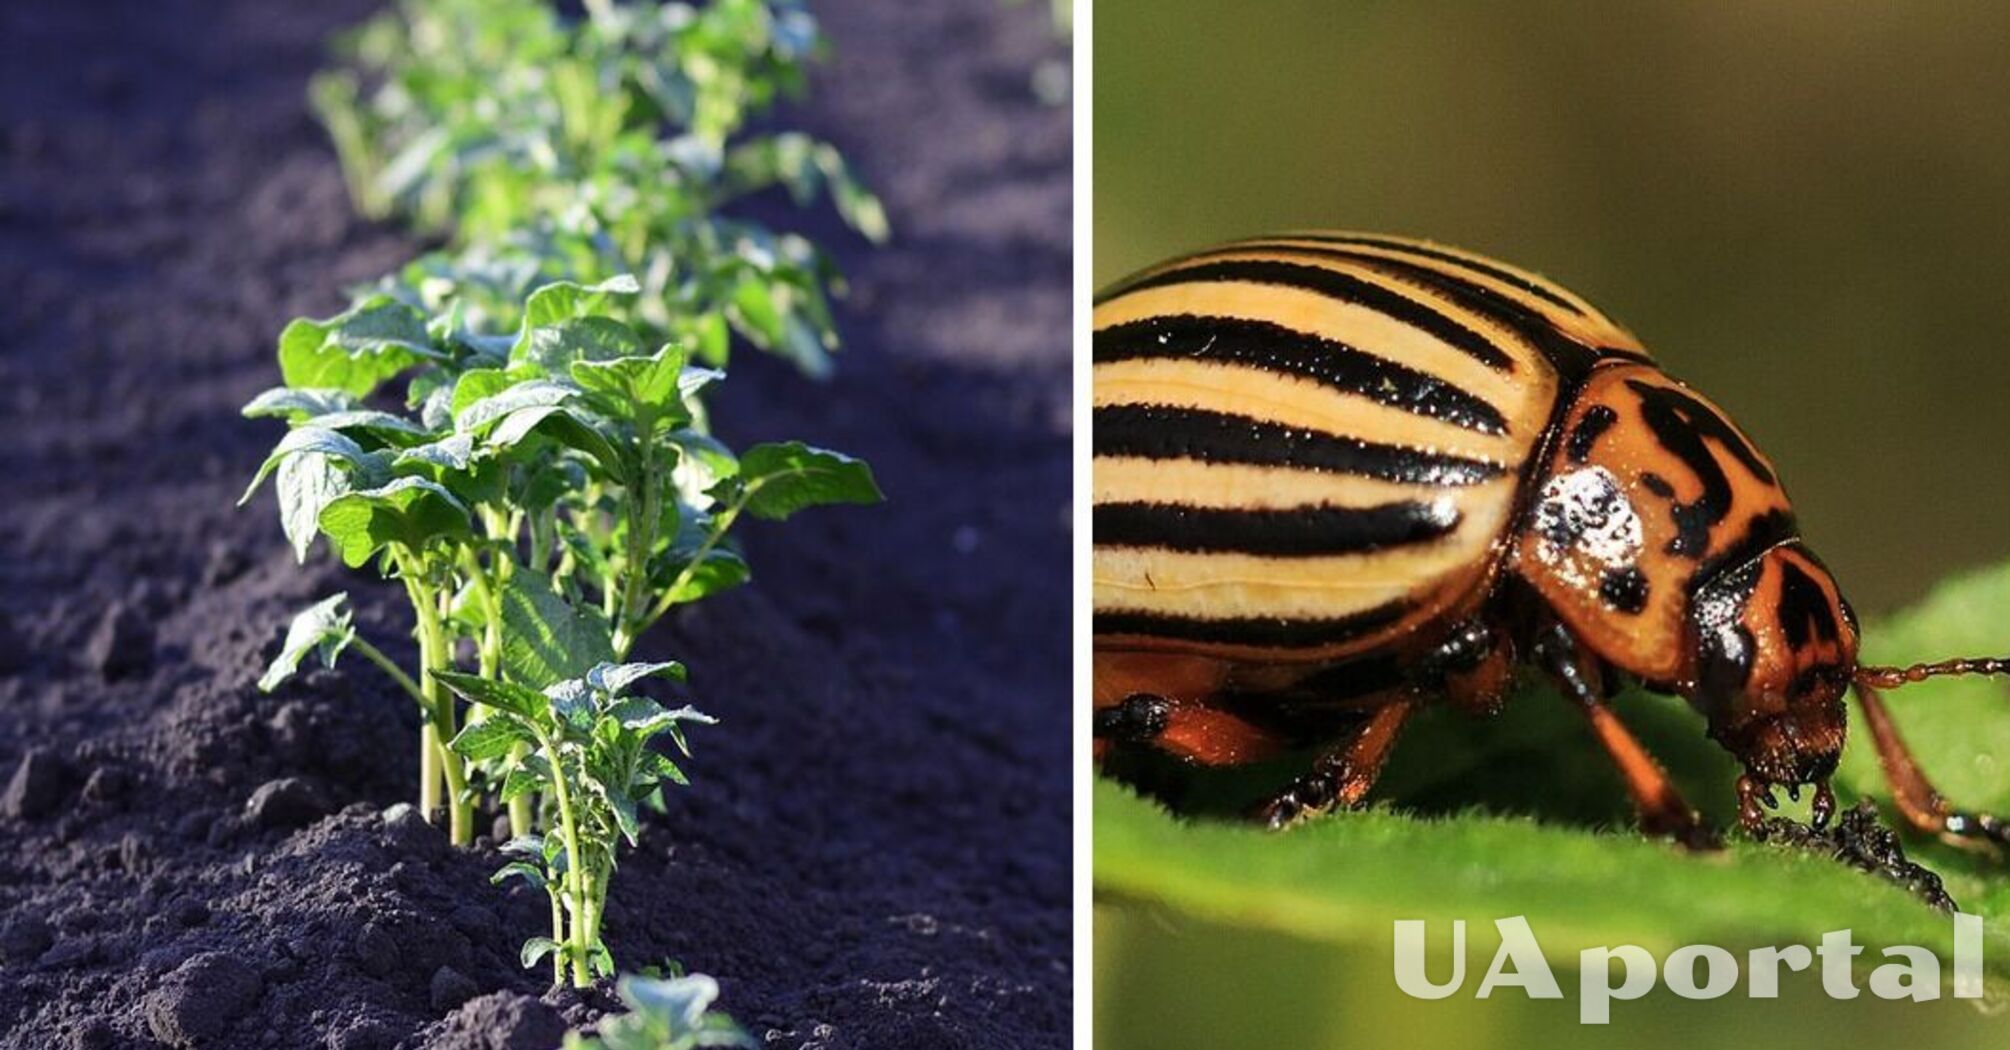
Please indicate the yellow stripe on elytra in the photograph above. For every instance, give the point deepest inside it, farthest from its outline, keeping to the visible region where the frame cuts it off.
(1361, 327)
(1294, 402)
(1217, 585)
(1240, 486)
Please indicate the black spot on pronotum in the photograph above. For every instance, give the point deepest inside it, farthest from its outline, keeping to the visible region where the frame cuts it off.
(1725, 649)
(1595, 423)
(1805, 613)
(1624, 589)
(1681, 424)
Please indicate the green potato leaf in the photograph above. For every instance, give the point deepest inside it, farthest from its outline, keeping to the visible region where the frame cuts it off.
(297, 406)
(518, 700)
(546, 639)
(491, 738)
(557, 346)
(357, 350)
(777, 480)
(616, 678)
(632, 385)
(323, 628)
(409, 512)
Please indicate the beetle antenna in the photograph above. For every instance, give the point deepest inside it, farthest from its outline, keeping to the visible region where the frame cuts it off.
(1893, 677)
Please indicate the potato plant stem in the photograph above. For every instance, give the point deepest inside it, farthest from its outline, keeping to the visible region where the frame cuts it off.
(641, 541)
(436, 654)
(577, 947)
(720, 523)
(396, 673)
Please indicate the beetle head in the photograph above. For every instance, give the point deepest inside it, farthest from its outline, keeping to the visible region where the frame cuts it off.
(1775, 649)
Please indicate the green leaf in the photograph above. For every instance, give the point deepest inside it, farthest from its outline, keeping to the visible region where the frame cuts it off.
(535, 949)
(452, 454)
(520, 870)
(658, 766)
(780, 479)
(516, 699)
(637, 383)
(478, 384)
(572, 702)
(356, 350)
(482, 413)
(323, 627)
(561, 424)
(307, 483)
(525, 779)
(616, 678)
(381, 425)
(1558, 847)
(648, 724)
(545, 638)
(408, 512)
(721, 570)
(297, 406)
(624, 816)
(557, 347)
(565, 300)
(490, 738)
(304, 441)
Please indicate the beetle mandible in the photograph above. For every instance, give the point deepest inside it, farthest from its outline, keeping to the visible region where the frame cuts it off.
(1337, 476)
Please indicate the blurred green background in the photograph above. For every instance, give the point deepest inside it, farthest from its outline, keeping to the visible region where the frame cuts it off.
(1798, 206)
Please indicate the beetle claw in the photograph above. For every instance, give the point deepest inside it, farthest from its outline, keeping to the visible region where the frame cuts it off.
(1823, 807)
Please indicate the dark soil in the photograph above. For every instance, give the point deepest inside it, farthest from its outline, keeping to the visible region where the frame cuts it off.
(875, 852)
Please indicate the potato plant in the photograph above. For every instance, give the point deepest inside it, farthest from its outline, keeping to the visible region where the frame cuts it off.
(551, 148)
(544, 496)
(584, 743)
(664, 1013)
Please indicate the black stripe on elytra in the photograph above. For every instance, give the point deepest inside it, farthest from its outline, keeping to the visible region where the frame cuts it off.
(1681, 423)
(1261, 632)
(1534, 288)
(1166, 432)
(1312, 531)
(1332, 284)
(1301, 355)
(1572, 359)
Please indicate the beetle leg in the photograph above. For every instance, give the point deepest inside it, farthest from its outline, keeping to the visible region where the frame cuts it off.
(1918, 800)
(1342, 776)
(1191, 731)
(1662, 809)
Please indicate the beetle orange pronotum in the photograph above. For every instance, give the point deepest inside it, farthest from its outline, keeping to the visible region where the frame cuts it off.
(1337, 476)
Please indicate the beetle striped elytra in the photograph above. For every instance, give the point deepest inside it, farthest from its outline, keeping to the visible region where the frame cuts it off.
(1337, 476)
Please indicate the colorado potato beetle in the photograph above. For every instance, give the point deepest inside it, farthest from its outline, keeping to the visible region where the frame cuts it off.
(1338, 476)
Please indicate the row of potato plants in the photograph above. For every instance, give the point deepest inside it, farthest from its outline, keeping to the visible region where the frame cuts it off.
(513, 428)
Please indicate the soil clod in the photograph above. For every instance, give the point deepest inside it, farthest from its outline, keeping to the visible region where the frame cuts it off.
(24, 939)
(40, 783)
(122, 646)
(501, 1021)
(201, 998)
(450, 988)
(287, 803)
